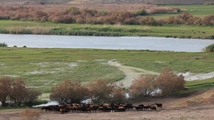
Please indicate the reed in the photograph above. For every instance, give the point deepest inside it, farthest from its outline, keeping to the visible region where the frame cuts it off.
(3, 45)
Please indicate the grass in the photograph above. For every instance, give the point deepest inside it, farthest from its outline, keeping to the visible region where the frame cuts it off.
(30, 27)
(200, 84)
(195, 10)
(46, 67)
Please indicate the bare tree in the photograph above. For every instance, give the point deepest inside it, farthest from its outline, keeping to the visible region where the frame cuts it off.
(100, 90)
(31, 96)
(143, 86)
(118, 92)
(69, 92)
(169, 83)
(5, 89)
(18, 91)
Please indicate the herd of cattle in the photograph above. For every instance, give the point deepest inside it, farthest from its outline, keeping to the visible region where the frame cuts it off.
(120, 107)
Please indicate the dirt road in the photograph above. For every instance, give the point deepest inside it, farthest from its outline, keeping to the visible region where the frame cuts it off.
(131, 73)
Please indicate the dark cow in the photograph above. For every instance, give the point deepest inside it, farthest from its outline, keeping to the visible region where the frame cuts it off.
(139, 107)
(159, 105)
(128, 106)
(146, 107)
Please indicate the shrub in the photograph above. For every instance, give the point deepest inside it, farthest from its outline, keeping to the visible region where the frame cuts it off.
(69, 92)
(28, 114)
(209, 48)
(169, 83)
(3, 45)
(208, 20)
(118, 93)
(143, 86)
(100, 90)
(140, 12)
(147, 21)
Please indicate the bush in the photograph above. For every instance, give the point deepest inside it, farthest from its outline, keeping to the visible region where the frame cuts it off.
(3, 45)
(140, 12)
(143, 86)
(169, 83)
(69, 92)
(28, 114)
(209, 48)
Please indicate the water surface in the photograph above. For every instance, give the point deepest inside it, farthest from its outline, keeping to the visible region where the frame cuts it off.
(119, 43)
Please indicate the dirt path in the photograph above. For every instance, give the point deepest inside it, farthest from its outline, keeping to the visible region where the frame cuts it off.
(131, 73)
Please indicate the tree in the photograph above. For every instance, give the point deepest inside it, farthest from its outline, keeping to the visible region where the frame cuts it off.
(69, 92)
(5, 89)
(31, 96)
(18, 91)
(100, 90)
(143, 86)
(118, 92)
(169, 83)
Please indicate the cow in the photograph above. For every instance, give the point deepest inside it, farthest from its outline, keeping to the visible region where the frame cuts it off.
(159, 105)
(152, 107)
(139, 107)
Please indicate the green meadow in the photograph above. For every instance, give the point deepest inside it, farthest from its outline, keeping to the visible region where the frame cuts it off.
(46, 67)
(48, 28)
(195, 10)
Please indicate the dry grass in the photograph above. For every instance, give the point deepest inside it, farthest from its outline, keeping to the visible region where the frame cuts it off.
(29, 114)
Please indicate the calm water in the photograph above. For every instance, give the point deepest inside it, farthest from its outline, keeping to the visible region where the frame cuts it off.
(131, 43)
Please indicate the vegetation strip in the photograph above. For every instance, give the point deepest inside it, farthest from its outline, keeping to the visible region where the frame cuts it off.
(44, 67)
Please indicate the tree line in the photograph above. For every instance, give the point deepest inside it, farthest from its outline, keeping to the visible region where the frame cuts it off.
(16, 92)
(101, 91)
(90, 16)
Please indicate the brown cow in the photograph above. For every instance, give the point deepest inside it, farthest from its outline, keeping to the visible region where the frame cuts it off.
(152, 107)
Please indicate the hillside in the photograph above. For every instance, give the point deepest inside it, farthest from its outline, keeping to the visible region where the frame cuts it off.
(112, 1)
(204, 98)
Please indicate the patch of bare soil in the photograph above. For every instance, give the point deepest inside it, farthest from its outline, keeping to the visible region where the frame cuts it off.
(205, 98)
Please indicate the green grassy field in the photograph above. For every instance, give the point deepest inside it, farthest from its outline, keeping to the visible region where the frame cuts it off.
(30, 27)
(44, 68)
(195, 10)
(200, 84)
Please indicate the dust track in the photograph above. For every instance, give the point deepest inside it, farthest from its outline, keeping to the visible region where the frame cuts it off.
(131, 73)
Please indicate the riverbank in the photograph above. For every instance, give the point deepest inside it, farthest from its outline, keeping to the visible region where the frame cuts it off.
(48, 28)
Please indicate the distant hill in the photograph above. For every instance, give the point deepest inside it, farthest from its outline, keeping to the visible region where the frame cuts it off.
(113, 1)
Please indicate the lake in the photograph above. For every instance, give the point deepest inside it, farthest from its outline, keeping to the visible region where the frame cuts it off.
(116, 43)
